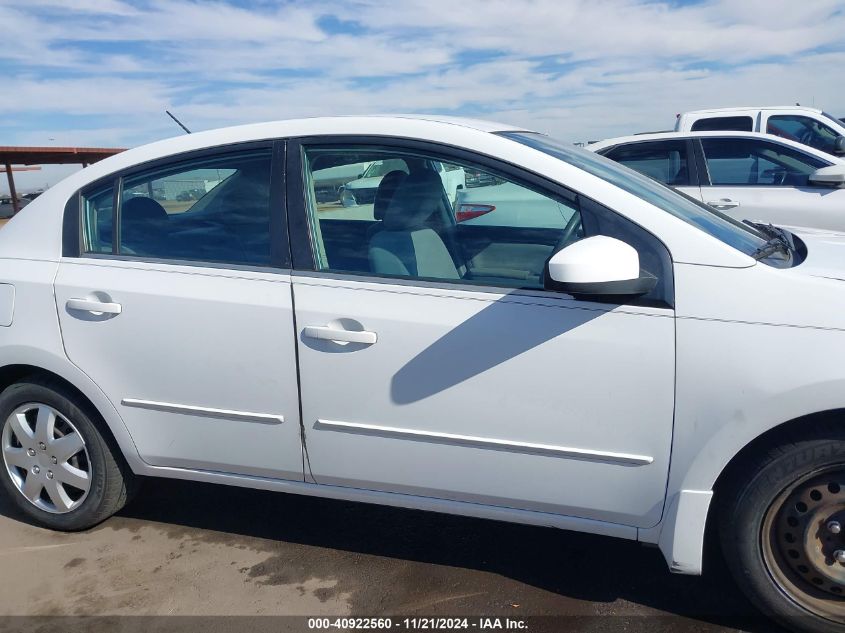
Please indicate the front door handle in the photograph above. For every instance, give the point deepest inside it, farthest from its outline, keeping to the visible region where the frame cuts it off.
(325, 333)
(90, 305)
(724, 203)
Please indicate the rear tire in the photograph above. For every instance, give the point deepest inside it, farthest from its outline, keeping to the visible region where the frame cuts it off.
(58, 467)
(782, 530)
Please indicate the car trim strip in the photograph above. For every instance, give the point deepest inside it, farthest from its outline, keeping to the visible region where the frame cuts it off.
(264, 418)
(486, 443)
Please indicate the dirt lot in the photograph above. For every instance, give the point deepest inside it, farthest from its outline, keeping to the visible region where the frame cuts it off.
(201, 550)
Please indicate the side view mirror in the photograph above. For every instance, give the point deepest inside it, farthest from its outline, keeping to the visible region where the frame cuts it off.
(598, 266)
(833, 176)
(839, 145)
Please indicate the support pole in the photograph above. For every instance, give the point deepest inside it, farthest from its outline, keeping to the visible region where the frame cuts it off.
(12, 192)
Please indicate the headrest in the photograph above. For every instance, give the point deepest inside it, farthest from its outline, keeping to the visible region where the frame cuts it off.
(386, 188)
(142, 209)
(416, 198)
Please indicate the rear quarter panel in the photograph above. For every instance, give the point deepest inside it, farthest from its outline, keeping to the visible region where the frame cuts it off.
(34, 338)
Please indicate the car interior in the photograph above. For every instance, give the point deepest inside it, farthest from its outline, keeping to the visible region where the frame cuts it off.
(413, 233)
(229, 223)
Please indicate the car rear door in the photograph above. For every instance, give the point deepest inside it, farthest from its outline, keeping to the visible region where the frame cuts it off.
(760, 180)
(177, 303)
(670, 161)
(465, 380)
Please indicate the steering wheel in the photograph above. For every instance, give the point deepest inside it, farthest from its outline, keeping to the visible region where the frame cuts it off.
(806, 137)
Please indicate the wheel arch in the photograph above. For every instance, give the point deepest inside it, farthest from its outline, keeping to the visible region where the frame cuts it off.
(685, 535)
(781, 432)
(79, 384)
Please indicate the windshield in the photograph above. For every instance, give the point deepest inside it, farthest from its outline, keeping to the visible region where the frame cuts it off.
(736, 234)
(830, 117)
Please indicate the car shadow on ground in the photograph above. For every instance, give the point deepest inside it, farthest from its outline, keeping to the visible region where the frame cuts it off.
(549, 570)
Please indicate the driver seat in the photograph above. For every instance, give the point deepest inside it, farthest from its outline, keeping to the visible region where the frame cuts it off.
(407, 246)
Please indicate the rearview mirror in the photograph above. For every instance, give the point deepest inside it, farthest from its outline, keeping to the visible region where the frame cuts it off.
(839, 145)
(598, 266)
(833, 176)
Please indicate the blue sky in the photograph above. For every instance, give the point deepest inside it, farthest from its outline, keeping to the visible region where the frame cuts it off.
(102, 72)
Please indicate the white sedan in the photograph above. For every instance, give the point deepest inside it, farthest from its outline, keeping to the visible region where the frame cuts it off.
(648, 371)
(749, 176)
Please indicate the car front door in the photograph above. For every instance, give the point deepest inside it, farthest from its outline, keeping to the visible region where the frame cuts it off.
(178, 305)
(759, 180)
(429, 367)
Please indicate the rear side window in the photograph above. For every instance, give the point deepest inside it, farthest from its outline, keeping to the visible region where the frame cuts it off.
(724, 124)
(214, 210)
(98, 220)
(665, 161)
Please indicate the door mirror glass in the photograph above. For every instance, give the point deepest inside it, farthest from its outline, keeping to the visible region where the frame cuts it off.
(839, 145)
(833, 176)
(599, 266)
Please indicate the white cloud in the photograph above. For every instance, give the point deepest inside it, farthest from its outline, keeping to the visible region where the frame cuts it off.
(105, 70)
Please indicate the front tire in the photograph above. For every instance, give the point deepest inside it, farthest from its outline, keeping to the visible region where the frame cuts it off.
(782, 529)
(58, 467)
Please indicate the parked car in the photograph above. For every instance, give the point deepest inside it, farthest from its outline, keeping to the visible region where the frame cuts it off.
(809, 126)
(748, 176)
(328, 182)
(476, 178)
(363, 190)
(6, 207)
(670, 371)
(507, 204)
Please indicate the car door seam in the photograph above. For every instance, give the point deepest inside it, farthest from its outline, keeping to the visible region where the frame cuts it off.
(306, 458)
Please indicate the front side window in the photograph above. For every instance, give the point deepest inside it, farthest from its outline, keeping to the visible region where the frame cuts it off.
(434, 218)
(207, 210)
(414, 215)
(724, 124)
(740, 161)
(803, 129)
(665, 161)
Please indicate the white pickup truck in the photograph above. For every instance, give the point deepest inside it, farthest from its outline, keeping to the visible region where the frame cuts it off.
(809, 126)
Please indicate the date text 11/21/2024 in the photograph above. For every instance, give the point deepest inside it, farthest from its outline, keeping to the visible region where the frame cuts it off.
(418, 624)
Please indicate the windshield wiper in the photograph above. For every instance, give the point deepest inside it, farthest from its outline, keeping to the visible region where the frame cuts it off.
(779, 240)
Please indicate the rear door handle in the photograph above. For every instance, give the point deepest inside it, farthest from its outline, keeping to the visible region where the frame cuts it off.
(724, 203)
(90, 305)
(324, 333)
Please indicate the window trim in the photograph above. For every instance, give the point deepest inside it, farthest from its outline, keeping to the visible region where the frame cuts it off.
(279, 243)
(692, 164)
(300, 232)
(707, 181)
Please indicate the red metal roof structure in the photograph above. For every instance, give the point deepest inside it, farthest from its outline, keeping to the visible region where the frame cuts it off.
(84, 156)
